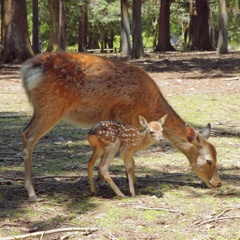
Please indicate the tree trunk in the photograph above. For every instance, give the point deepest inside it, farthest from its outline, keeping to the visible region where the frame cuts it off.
(137, 51)
(164, 43)
(16, 45)
(125, 29)
(222, 46)
(35, 39)
(62, 25)
(83, 26)
(199, 26)
(111, 40)
(53, 7)
(102, 39)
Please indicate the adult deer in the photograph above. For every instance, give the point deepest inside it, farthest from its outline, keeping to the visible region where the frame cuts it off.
(85, 89)
(109, 137)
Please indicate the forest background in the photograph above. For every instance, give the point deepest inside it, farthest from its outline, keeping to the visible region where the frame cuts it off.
(127, 26)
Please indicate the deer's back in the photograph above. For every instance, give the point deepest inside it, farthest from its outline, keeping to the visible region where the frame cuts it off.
(92, 88)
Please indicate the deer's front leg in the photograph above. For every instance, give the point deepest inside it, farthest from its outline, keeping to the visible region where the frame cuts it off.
(130, 169)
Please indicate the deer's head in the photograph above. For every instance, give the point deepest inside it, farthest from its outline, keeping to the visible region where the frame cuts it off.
(203, 157)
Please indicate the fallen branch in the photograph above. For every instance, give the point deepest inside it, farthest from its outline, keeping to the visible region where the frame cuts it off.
(224, 211)
(9, 116)
(40, 177)
(217, 219)
(110, 235)
(10, 159)
(42, 233)
(55, 176)
(9, 153)
(158, 209)
(231, 79)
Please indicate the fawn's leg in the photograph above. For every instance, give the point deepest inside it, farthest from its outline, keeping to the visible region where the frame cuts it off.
(108, 155)
(97, 152)
(130, 168)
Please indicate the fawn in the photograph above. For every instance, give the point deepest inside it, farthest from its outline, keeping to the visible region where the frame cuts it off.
(85, 89)
(109, 137)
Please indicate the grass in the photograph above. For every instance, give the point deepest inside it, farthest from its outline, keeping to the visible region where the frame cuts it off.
(164, 180)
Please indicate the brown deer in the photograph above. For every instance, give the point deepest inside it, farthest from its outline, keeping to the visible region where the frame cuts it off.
(86, 89)
(109, 137)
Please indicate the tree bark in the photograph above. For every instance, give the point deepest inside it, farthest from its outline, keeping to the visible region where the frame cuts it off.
(199, 26)
(62, 25)
(53, 7)
(164, 43)
(35, 39)
(125, 30)
(16, 45)
(83, 26)
(222, 46)
(137, 51)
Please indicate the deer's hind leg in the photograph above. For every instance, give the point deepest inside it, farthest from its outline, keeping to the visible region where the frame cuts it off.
(40, 124)
(97, 152)
(108, 155)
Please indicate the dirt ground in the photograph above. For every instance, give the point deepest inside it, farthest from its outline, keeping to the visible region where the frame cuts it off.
(177, 74)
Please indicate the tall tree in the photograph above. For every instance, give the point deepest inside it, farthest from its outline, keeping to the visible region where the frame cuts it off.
(16, 45)
(137, 50)
(53, 8)
(83, 26)
(62, 25)
(199, 25)
(125, 29)
(57, 25)
(35, 39)
(222, 46)
(164, 43)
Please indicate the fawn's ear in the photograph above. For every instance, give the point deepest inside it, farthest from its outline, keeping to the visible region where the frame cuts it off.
(143, 121)
(163, 119)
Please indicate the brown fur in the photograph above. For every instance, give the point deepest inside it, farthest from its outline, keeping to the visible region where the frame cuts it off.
(85, 89)
(109, 137)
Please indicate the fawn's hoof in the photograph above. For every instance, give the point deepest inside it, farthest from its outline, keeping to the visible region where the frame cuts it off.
(104, 187)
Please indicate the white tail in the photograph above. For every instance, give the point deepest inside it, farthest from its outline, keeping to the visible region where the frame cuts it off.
(109, 137)
(86, 89)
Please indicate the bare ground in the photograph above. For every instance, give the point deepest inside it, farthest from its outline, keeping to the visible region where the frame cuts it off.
(184, 208)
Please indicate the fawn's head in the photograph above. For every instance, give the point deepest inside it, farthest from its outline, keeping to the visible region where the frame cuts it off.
(154, 128)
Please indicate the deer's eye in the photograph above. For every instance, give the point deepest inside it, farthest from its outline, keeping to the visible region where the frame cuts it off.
(209, 162)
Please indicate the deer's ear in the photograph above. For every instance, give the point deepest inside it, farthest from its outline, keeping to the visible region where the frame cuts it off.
(191, 133)
(143, 121)
(207, 131)
(163, 119)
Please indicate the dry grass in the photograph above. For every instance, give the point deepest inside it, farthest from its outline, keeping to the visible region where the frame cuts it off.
(177, 205)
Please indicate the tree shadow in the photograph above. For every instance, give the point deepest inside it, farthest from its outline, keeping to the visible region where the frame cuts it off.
(188, 62)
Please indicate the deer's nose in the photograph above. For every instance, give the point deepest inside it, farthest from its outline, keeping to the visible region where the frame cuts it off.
(160, 139)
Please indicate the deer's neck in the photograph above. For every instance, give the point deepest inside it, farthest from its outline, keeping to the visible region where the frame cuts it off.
(174, 130)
